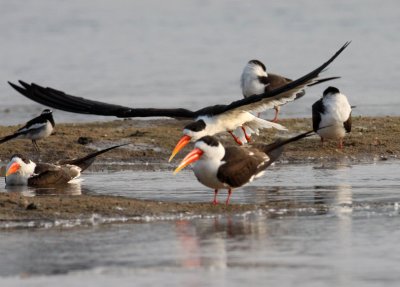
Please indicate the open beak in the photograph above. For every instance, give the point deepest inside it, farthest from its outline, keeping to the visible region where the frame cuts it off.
(13, 168)
(191, 157)
(180, 145)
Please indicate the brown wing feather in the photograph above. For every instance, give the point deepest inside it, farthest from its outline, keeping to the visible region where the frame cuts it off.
(54, 176)
(43, 167)
(239, 166)
(49, 178)
(276, 81)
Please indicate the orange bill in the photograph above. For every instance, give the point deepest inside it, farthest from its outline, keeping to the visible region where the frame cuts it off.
(180, 145)
(191, 157)
(13, 168)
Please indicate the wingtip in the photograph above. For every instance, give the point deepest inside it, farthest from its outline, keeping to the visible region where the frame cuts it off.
(24, 84)
(19, 89)
(12, 84)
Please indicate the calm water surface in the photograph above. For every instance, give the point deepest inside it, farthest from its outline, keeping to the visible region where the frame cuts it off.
(353, 241)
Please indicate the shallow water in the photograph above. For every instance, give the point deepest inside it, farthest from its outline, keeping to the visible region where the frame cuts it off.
(353, 241)
(191, 53)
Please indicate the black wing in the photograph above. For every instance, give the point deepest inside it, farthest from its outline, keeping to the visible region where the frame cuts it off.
(62, 101)
(347, 124)
(86, 161)
(317, 110)
(39, 120)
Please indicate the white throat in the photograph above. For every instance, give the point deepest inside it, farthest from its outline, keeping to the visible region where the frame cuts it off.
(206, 168)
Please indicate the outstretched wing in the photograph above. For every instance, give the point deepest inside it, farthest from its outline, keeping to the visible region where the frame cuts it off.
(62, 101)
(256, 103)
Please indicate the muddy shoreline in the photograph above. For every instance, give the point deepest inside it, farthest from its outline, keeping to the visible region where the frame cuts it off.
(153, 140)
(372, 138)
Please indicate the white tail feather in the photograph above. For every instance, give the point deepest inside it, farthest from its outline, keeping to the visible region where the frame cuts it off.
(254, 126)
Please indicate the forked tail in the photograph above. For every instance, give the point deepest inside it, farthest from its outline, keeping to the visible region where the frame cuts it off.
(86, 161)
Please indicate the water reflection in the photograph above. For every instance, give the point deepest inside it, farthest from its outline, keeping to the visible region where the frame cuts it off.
(72, 188)
(208, 243)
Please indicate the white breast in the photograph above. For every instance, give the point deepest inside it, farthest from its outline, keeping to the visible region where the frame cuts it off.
(337, 111)
(206, 173)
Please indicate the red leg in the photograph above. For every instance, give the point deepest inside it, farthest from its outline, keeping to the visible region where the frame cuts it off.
(248, 138)
(275, 119)
(341, 143)
(238, 141)
(229, 196)
(215, 201)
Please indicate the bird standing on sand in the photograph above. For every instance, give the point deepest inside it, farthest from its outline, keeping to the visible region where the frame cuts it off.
(38, 128)
(218, 167)
(23, 171)
(255, 80)
(207, 121)
(333, 112)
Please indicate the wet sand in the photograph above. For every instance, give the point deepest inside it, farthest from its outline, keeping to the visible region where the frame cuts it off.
(152, 141)
(15, 206)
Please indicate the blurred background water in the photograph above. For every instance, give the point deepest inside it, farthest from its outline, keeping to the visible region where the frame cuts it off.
(191, 53)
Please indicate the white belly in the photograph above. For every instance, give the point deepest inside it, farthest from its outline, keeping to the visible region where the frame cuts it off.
(206, 174)
(333, 132)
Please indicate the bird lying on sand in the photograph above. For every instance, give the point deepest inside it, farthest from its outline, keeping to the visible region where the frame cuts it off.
(23, 171)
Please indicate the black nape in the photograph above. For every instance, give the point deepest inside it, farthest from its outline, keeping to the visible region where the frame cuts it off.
(196, 126)
(209, 140)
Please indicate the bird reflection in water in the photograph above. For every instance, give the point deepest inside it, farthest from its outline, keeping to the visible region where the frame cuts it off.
(72, 188)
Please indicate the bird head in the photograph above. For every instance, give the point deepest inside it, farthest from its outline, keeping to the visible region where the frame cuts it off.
(48, 114)
(207, 147)
(256, 65)
(191, 133)
(331, 90)
(20, 166)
